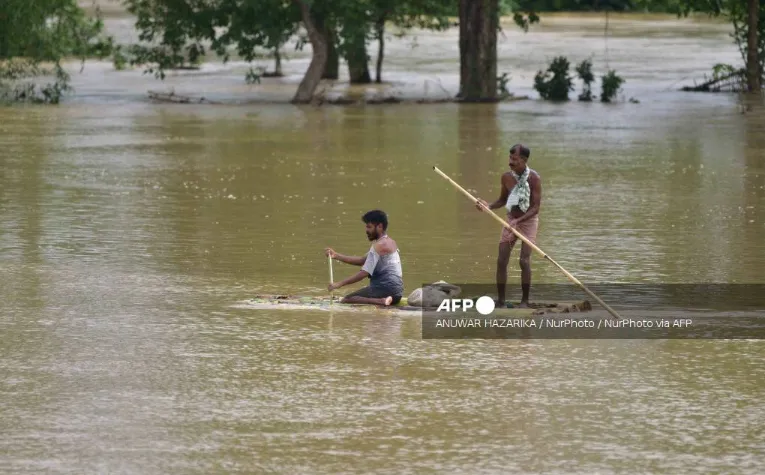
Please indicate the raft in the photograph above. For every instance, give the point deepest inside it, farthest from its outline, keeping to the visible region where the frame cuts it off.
(323, 303)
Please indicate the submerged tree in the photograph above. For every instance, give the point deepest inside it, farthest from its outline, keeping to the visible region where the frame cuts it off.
(315, 70)
(584, 71)
(748, 19)
(755, 46)
(174, 32)
(35, 37)
(349, 26)
(479, 24)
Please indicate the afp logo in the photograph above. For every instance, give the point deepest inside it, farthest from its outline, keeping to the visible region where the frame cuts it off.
(484, 305)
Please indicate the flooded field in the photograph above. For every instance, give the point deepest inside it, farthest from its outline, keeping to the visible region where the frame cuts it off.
(130, 232)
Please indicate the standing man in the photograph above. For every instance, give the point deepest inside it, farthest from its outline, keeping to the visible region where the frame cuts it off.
(382, 264)
(521, 195)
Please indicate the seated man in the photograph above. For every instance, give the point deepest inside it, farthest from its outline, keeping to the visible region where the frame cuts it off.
(382, 265)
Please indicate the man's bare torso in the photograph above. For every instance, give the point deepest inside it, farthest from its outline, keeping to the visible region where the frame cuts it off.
(509, 181)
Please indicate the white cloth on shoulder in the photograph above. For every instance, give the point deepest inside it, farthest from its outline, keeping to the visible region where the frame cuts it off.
(521, 193)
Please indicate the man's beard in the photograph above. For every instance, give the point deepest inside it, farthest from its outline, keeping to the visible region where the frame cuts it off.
(373, 236)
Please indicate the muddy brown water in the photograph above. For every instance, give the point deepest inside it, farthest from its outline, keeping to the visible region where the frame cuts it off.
(130, 232)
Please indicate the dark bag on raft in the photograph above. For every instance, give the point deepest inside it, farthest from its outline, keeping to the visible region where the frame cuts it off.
(433, 294)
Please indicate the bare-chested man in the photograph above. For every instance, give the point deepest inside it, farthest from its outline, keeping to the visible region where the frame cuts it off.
(521, 194)
(382, 264)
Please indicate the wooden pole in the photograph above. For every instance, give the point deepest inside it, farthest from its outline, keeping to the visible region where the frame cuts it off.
(331, 280)
(533, 246)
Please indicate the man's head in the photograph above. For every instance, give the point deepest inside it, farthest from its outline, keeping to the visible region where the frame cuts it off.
(519, 155)
(377, 223)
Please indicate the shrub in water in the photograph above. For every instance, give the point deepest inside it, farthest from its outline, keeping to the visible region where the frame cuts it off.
(502, 85)
(584, 71)
(555, 83)
(611, 85)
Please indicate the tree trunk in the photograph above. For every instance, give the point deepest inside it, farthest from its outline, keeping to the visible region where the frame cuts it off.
(328, 31)
(479, 21)
(312, 76)
(278, 61)
(332, 70)
(754, 75)
(358, 61)
(380, 48)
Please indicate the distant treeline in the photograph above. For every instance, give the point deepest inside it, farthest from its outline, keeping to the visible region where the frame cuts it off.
(508, 6)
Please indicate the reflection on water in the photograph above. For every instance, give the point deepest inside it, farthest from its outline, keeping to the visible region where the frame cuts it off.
(128, 234)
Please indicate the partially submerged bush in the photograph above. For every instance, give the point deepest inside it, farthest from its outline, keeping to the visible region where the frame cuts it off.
(502, 86)
(17, 83)
(584, 71)
(35, 37)
(611, 83)
(253, 75)
(555, 83)
(157, 59)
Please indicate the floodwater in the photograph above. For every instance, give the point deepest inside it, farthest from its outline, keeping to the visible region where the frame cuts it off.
(130, 232)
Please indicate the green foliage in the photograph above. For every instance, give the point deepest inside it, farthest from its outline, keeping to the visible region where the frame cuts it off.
(584, 71)
(173, 32)
(720, 71)
(506, 7)
(611, 83)
(35, 36)
(738, 15)
(424, 14)
(253, 77)
(157, 59)
(14, 89)
(355, 21)
(119, 58)
(502, 85)
(583, 5)
(555, 83)
(724, 77)
(45, 30)
(524, 12)
(524, 21)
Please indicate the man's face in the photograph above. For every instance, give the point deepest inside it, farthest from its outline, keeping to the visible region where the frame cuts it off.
(516, 162)
(373, 231)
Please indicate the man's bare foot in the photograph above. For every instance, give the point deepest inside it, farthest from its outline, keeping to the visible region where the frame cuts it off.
(523, 305)
(388, 300)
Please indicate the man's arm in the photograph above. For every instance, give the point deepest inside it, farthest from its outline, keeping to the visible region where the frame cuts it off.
(502, 200)
(352, 260)
(536, 199)
(360, 275)
(503, 194)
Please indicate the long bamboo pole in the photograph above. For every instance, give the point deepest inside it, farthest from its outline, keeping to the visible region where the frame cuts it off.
(331, 280)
